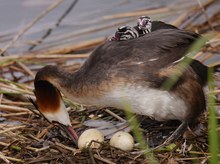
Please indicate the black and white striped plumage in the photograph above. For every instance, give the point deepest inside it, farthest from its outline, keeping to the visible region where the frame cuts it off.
(125, 33)
(144, 25)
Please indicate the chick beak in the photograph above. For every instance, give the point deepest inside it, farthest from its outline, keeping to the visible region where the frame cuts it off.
(71, 133)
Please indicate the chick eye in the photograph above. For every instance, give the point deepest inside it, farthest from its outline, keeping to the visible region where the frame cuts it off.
(145, 22)
(123, 30)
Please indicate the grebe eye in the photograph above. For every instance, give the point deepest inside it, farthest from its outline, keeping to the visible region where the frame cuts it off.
(146, 21)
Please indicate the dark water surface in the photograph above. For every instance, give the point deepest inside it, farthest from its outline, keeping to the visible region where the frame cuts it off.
(85, 16)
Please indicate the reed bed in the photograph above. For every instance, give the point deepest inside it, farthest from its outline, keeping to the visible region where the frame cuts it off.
(26, 137)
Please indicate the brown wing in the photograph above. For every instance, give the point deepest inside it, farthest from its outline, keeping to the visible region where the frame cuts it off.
(155, 51)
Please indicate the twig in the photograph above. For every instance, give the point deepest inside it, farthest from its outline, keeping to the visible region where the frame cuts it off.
(44, 56)
(12, 89)
(11, 159)
(8, 102)
(192, 158)
(88, 30)
(26, 69)
(44, 160)
(103, 159)
(206, 57)
(3, 157)
(214, 64)
(115, 115)
(206, 15)
(13, 108)
(4, 144)
(217, 91)
(37, 149)
(33, 137)
(20, 33)
(15, 114)
(1, 96)
(13, 128)
(196, 14)
(70, 48)
(198, 55)
(40, 135)
(49, 31)
(68, 148)
(138, 13)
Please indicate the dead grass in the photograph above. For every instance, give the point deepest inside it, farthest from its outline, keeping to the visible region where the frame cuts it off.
(25, 137)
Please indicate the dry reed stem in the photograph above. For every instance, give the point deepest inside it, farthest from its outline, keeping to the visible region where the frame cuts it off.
(12, 159)
(4, 158)
(198, 55)
(33, 137)
(177, 22)
(103, 159)
(11, 108)
(37, 149)
(206, 15)
(70, 48)
(13, 128)
(206, 57)
(115, 115)
(13, 89)
(50, 56)
(15, 114)
(4, 144)
(49, 31)
(1, 96)
(8, 102)
(161, 10)
(26, 69)
(75, 151)
(44, 132)
(139, 13)
(216, 91)
(214, 64)
(57, 56)
(85, 31)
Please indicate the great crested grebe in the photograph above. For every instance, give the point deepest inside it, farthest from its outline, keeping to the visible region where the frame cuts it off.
(131, 71)
(144, 26)
(125, 33)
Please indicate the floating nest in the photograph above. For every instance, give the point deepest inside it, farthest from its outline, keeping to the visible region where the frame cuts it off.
(26, 137)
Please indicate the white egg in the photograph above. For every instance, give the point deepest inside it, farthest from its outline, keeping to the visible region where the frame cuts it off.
(87, 136)
(122, 140)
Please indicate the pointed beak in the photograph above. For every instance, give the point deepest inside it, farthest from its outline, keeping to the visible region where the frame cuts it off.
(117, 36)
(71, 133)
(141, 24)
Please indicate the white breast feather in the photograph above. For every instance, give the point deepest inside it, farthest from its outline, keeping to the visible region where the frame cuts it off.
(157, 104)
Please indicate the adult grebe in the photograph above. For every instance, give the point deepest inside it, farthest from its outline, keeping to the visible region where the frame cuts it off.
(131, 71)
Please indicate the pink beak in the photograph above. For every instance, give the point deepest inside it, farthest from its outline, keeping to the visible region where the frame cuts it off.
(70, 132)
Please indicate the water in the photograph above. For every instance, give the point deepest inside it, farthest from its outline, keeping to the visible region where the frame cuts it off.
(87, 14)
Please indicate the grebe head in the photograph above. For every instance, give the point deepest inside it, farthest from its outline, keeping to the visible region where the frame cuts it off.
(125, 33)
(50, 103)
(144, 23)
